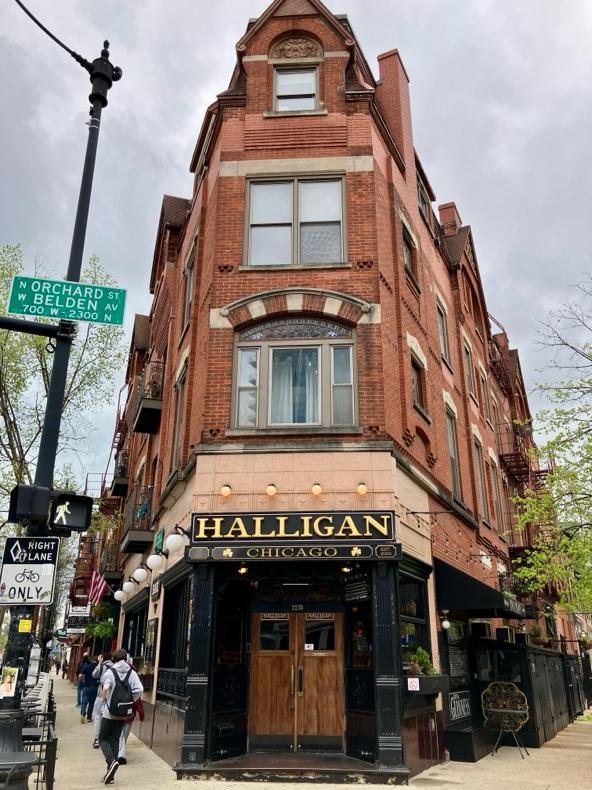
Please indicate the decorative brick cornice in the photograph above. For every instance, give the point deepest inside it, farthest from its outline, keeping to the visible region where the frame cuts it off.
(281, 301)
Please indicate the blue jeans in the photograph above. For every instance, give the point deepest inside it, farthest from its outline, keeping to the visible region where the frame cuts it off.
(89, 695)
(78, 694)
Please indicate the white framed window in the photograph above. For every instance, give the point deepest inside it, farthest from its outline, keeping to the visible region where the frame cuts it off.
(295, 222)
(442, 331)
(187, 290)
(485, 402)
(295, 372)
(481, 482)
(179, 407)
(469, 372)
(453, 453)
(497, 505)
(295, 89)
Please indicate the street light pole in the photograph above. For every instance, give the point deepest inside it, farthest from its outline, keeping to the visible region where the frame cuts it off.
(102, 75)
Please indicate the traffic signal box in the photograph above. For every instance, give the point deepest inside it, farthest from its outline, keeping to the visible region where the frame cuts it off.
(59, 511)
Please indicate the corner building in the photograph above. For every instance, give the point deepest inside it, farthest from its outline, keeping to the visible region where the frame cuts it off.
(312, 411)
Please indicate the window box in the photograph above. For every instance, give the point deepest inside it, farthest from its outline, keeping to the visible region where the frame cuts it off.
(429, 685)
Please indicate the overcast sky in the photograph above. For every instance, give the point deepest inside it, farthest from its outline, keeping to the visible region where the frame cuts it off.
(501, 94)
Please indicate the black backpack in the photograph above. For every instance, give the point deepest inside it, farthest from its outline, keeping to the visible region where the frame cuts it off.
(121, 704)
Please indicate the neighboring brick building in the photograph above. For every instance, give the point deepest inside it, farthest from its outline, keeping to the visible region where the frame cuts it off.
(318, 357)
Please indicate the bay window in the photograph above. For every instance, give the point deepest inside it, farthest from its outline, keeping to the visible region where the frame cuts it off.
(294, 373)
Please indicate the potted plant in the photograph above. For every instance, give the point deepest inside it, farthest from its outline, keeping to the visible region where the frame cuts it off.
(535, 635)
(430, 682)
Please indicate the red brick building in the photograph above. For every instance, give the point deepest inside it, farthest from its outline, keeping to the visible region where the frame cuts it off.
(318, 402)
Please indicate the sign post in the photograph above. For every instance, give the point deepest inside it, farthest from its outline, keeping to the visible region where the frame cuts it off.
(71, 301)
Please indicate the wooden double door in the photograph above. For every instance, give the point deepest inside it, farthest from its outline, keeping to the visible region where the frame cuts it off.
(296, 698)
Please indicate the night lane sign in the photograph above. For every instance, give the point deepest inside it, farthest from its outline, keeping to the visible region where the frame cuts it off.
(28, 571)
(36, 296)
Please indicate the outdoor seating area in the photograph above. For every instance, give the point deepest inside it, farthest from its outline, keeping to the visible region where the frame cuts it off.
(39, 738)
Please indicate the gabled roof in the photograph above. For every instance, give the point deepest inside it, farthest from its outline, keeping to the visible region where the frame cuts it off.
(172, 215)
(141, 333)
(455, 245)
(174, 210)
(294, 8)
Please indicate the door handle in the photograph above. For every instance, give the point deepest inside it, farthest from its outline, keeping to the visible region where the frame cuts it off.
(292, 679)
(300, 681)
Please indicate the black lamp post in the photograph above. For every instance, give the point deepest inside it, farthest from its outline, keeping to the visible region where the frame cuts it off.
(102, 76)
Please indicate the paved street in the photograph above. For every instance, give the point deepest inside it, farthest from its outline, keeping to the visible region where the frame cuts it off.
(563, 763)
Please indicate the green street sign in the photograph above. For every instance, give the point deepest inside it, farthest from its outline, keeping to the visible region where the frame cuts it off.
(36, 296)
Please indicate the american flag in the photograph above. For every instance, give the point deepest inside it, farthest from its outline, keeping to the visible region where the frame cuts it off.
(98, 585)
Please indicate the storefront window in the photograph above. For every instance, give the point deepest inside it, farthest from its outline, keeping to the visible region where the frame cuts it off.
(413, 620)
(360, 635)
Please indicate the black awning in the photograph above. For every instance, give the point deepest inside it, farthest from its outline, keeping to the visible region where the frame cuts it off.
(458, 590)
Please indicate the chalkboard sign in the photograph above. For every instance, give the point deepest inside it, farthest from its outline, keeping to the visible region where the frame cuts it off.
(150, 649)
(357, 589)
(458, 659)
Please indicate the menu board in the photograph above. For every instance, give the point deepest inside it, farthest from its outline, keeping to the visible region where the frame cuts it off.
(458, 661)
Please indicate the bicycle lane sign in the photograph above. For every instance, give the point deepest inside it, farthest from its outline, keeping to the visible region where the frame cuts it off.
(28, 571)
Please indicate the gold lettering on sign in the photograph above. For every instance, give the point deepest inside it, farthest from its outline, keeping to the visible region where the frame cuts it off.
(323, 526)
(383, 527)
(257, 521)
(281, 533)
(306, 533)
(204, 529)
(348, 528)
(237, 529)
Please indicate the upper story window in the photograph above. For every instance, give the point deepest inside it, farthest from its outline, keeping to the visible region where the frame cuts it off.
(297, 372)
(188, 289)
(469, 372)
(296, 63)
(453, 453)
(295, 89)
(481, 483)
(295, 222)
(443, 332)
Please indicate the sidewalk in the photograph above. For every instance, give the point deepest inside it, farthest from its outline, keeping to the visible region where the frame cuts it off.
(80, 767)
(564, 762)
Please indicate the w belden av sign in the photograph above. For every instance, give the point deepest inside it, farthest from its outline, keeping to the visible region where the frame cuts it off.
(352, 535)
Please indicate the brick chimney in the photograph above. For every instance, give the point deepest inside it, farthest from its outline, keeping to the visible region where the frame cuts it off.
(449, 219)
(392, 93)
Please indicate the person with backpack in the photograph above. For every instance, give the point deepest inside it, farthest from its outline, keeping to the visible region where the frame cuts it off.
(97, 715)
(121, 688)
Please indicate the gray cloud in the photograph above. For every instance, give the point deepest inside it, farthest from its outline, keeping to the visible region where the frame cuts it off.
(501, 101)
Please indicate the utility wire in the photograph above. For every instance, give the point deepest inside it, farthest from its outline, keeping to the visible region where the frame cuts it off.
(78, 58)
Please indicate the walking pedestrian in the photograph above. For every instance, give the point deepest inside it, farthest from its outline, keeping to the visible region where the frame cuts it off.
(104, 663)
(83, 660)
(121, 677)
(127, 728)
(90, 687)
(64, 667)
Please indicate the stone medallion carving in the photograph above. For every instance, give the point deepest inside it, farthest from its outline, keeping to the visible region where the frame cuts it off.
(296, 48)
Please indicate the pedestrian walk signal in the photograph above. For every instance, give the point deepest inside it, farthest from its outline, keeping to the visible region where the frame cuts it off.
(70, 513)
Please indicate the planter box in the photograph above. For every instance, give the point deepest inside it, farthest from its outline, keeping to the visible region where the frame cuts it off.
(429, 685)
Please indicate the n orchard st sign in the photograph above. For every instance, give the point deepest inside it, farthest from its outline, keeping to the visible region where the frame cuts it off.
(72, 301)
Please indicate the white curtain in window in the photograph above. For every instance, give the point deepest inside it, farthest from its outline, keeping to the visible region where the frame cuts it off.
(281, 388)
